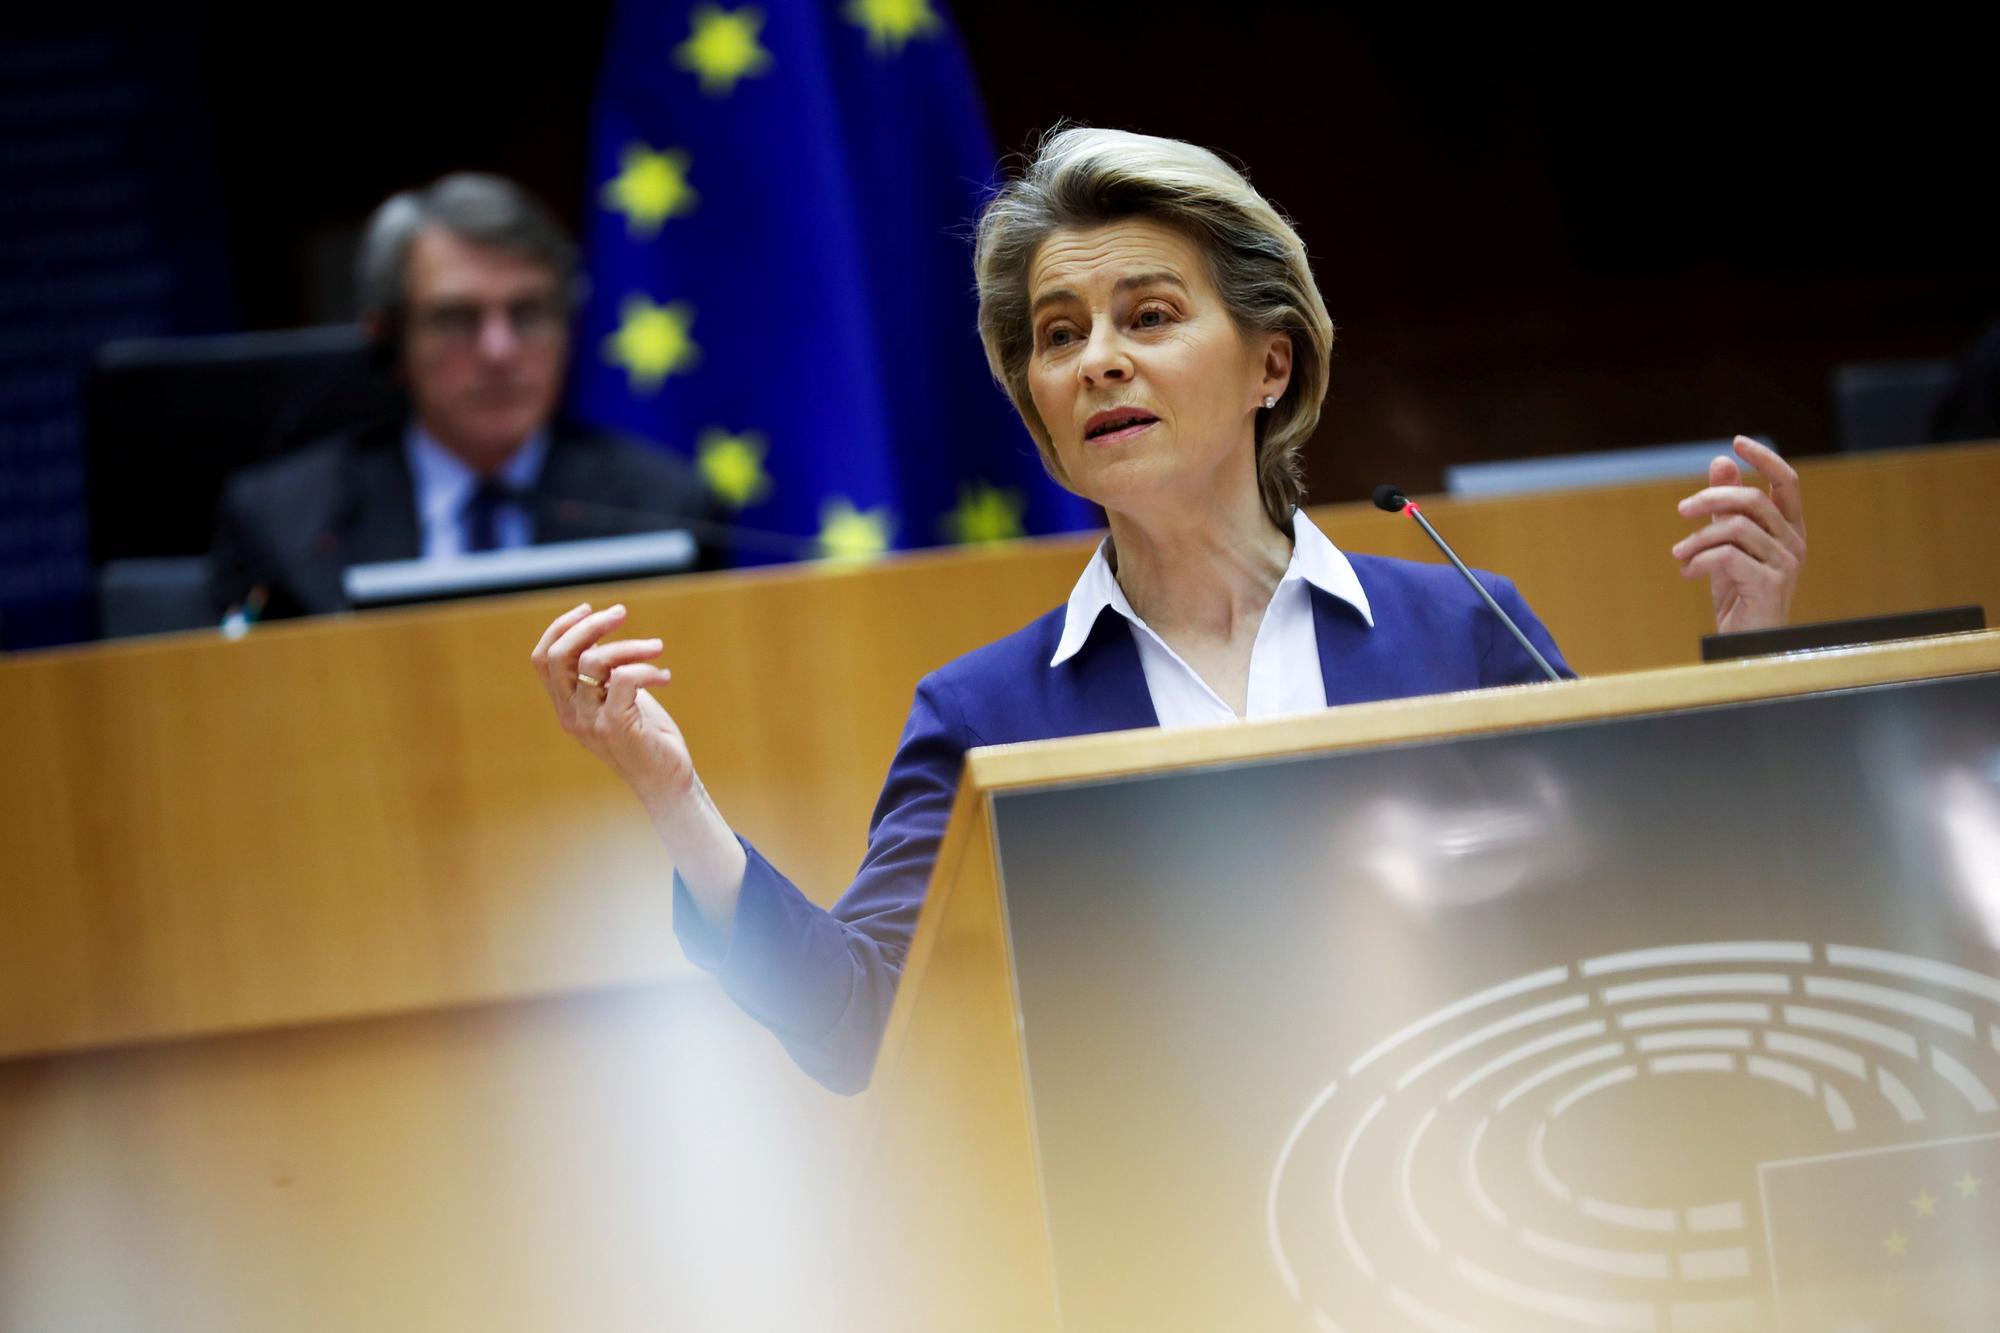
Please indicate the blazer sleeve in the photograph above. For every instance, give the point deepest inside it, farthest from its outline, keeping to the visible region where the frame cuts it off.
(1504, 662)
(823, 980)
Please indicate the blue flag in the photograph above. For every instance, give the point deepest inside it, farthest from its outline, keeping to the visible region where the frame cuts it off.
(780, 272)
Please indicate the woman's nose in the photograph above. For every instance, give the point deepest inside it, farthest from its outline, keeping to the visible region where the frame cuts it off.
(1104, 358)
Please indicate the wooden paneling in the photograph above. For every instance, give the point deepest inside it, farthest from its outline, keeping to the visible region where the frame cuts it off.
(950, 1120)
(1886, 532)
(376, 814)
(338, 988)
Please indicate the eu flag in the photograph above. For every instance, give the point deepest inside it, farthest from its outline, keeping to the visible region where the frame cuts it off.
(780, 272)
(1903, 1237)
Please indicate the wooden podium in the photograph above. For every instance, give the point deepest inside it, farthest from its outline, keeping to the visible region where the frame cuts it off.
(1201, 1029)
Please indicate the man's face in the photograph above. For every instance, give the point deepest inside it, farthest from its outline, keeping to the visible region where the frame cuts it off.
(485, 345)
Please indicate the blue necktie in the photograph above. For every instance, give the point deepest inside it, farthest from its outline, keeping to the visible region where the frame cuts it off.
(481, 515)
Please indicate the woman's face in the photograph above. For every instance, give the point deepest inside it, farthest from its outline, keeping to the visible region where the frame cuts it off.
(1148, 390)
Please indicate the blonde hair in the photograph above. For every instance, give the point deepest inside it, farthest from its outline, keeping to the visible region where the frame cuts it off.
(1084, 177)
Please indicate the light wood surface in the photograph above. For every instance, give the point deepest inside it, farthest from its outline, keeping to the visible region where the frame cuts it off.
(956, 1125)
(375, 814)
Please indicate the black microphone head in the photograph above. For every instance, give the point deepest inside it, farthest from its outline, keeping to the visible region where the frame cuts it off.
(1390, 498)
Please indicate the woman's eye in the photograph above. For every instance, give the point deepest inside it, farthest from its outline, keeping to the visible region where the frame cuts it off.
(1152, 318)
(1057, 337)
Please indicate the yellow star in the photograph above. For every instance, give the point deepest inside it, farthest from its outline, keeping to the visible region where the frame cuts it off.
(722, 48)
(1968, 1186)
(892, 23)
(1896, 1243)
(847, 533)
(733, 466)
(649, 188)
(1925, 1203)
(652, 342)
(984, 514)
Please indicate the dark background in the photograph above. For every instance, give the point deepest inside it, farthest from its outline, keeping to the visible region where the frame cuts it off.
(1536, 233)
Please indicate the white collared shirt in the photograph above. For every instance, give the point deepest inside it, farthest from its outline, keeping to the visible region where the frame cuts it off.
(1284, 661)
(444, 483)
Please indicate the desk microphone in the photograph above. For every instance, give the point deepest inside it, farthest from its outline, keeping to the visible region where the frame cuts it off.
(1392, 499)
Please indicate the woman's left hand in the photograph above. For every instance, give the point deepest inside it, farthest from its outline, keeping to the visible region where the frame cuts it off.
(1753, 545)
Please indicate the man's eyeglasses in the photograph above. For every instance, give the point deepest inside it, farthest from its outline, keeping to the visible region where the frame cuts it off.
(532, 319)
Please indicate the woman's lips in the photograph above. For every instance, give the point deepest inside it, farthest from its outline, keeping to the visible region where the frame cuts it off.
(1114, 437)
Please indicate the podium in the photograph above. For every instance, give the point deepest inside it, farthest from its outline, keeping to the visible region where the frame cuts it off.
(1664, 1001)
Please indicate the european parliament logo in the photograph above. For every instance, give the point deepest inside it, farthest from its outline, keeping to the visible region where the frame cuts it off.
(1730, 1135)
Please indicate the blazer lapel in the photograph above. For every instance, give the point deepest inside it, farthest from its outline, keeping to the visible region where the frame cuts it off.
(1349, 651)
(383, 509)
(1107, 685)
(371, 516)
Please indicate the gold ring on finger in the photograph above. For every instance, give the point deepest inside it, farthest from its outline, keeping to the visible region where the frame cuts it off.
(591, 681)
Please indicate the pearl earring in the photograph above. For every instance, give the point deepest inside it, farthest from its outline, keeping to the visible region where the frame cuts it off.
(1269, 401)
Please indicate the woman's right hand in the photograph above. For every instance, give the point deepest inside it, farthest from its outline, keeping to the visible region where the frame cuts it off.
(616, 720)
(627, 728)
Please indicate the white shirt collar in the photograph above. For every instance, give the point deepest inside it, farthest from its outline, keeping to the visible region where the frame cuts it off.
(1315, 559)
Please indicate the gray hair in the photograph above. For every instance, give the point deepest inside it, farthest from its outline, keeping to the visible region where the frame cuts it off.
(486, 210)
(1083, 177)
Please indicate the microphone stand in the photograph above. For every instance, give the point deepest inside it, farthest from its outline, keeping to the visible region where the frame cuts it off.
(1390, 498)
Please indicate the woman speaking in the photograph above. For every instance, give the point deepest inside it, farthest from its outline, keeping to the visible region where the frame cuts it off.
(1155, 321)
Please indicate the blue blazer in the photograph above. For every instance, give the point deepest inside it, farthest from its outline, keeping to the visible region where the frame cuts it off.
(823, 981)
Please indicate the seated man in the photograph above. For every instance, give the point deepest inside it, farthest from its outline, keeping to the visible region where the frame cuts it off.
(467, 286)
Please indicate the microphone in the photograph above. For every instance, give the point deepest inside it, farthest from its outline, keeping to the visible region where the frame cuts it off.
(1392, 499)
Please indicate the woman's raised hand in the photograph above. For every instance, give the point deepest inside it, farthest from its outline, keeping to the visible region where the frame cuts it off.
(615, 719)
(1754, 544)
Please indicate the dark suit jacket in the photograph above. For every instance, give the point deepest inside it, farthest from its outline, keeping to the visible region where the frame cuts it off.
(823, 980)
(294, 524)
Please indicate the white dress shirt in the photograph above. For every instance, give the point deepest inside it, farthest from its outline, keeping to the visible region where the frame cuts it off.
(1284, 661)
(444, 483)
